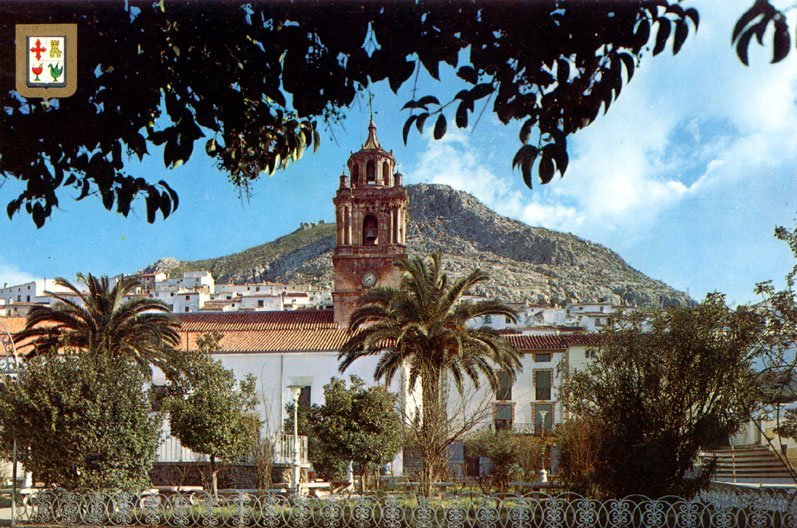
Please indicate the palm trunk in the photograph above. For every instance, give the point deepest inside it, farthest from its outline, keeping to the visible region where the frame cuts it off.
(432, 431)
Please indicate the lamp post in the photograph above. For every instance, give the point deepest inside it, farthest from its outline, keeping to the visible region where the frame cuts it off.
(296, 391)
(543, 471)
(9, 367)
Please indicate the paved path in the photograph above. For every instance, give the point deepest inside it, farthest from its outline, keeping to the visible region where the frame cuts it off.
(5, 516)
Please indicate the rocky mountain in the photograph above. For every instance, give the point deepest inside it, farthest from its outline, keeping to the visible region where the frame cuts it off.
(524, 263)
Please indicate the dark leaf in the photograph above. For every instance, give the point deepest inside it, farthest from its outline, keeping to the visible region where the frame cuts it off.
(420, 121)
(481, 90)
(407, 125)
(211, 148)
(681, 32)
(524, 158)
(172, 194)
(462, 115)
(628, 61)
(165, 205)
(780, 41)
(546, 167)
(107, 198)
(642, 33)
(745, 19)
(152, 205)
(525, 131)
(469, 74)
(662, 35)
(427, 100)
(562, 71)
(316, 140)
(693, 15)
(742, 45)
(440, 127)
(39, 215)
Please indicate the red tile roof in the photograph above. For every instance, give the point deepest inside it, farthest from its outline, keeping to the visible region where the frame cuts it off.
(13, 324)
(253, 341)
(258, 321)
(247, 332)
(551, 342)
(303, 331)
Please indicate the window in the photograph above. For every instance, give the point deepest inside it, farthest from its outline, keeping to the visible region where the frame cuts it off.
(370, 172)
(504, 390)
(187, 309)
(590, 354)
(543, 416)
(503, 415)
(28, 298)
(187, 297)
(304, 398)
(508, 320)
(488, 319)
(260, 303)
(542, 358)
(385, 173)
(370, 231)
(542, 384)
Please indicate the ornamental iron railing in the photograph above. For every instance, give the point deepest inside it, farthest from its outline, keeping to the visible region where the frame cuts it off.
(711, 509)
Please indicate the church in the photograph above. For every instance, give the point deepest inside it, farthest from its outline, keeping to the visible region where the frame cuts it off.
(290, 348)
(301, 347)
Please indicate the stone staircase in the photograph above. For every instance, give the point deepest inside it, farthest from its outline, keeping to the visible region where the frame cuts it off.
(748, 465)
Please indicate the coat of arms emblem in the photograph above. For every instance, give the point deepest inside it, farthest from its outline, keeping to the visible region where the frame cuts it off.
(46, 60)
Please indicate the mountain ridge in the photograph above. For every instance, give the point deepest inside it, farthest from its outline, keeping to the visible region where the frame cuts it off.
(525, 264)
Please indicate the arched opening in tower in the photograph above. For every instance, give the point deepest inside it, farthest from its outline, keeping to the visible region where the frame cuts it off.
(386, 174)
(370, 231)
(355, 174)
(370, 172)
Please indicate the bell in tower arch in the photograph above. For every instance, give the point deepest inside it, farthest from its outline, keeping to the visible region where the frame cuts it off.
(370, 231)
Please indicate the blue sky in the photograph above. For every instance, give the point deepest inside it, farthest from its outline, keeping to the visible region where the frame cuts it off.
(685, 177)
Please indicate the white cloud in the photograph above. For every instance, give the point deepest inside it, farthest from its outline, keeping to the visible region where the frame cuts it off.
(456, 162)
(12, 275)
(692, 166)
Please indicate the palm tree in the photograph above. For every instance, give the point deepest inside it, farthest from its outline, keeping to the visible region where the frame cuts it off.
(423, 325)
(104, 320)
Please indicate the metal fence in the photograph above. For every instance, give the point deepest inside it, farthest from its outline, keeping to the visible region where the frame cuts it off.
(712, 509)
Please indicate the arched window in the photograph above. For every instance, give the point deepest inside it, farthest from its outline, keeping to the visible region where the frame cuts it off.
(370, 231)
(386, 174)
(370, 172)
(355, 174)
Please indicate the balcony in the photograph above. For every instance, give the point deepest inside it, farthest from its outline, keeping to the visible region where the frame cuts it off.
(518, 428)
(170, 450)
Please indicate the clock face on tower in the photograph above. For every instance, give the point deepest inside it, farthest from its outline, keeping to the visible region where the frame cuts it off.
(369, 279)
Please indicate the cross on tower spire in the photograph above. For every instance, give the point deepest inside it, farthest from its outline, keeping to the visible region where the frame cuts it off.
(371, 105)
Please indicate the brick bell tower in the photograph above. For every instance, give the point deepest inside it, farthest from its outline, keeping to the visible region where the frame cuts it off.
(371, 216)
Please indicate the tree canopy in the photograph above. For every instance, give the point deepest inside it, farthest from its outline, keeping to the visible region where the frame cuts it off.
(254, 82)
(207, 407)
(81, 422)
(663, 387)
(104, 319)
(355, 424)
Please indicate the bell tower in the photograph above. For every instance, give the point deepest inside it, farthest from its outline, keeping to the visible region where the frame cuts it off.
(371, 219)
